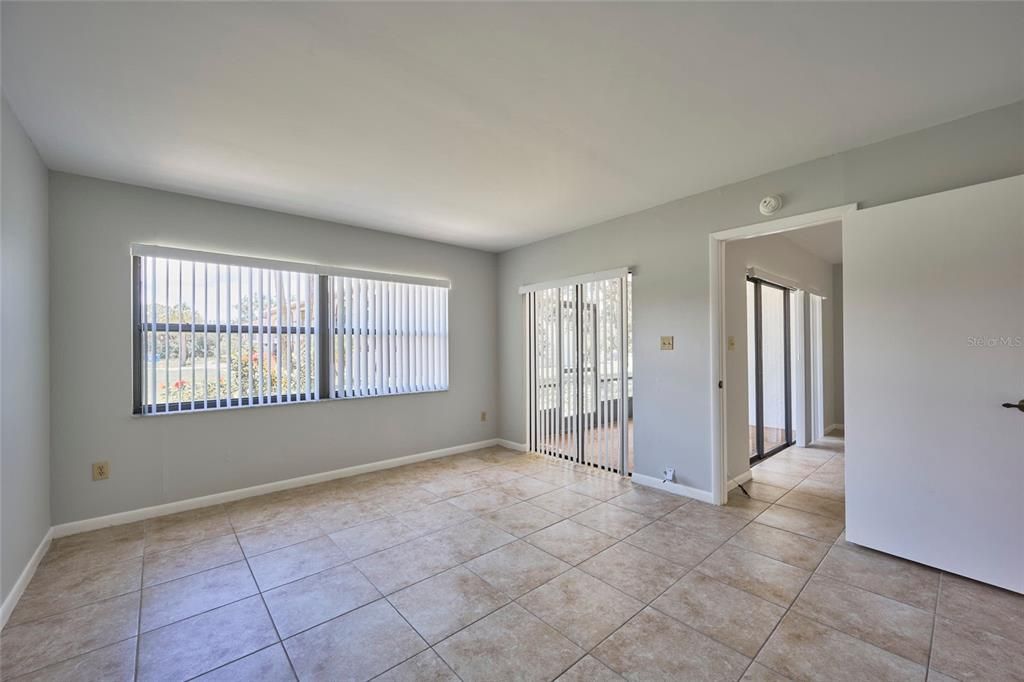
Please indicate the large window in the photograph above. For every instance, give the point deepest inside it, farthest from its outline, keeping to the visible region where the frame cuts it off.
(213, 331)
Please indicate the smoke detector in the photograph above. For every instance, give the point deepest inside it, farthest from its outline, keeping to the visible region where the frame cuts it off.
(770, 204)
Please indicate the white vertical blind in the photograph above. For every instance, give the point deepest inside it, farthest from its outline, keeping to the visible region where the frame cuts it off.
(388, 337)
(208, 336)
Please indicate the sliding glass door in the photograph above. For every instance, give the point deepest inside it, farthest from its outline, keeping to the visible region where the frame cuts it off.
(580, 372)
(769, 367)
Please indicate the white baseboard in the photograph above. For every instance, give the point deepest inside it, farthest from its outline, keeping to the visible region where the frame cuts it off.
(674, 488)
(11, 600)
(741, 479)
(120, 518)
(833, 427)
(511, 445)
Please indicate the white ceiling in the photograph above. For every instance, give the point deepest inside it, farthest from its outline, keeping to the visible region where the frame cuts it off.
(487, 125)
(824, 241)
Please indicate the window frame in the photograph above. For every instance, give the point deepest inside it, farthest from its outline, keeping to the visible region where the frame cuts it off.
(322, 330)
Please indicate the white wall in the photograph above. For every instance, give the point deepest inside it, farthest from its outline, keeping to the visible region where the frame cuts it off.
(164, 458)
(780, 256)
(668, 246)
(24, 358)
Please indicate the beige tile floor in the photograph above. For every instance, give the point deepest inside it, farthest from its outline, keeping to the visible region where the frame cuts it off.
(494, 565)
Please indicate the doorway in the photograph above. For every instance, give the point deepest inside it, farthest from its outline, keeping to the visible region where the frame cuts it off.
(580, 366)
(770, 382)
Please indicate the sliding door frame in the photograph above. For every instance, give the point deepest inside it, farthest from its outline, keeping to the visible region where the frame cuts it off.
(787, 349)
(582, 420)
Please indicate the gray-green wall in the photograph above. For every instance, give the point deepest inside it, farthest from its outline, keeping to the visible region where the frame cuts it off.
(165, 458)
(24, 361)
(668, 246)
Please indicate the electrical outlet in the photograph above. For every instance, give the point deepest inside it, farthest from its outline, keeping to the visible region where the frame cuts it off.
(732, 343)
(670, 474)
(100, 471)
(668, 342)
(483, 416)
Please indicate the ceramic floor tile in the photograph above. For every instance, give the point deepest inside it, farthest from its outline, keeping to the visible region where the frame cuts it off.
(764, 491)
(317, 598)
(968, 653)
(39, 643)
(434, 517)
(261, 510)
(423, 667)
(570, 541)
(656, 648)
(521, 519)
(266, 665)
(396, 501)
(648, 502)
(729, 615)
(702, 519)
(363, 540)
(891, 625)
(186, 528)
(673, 543)
(638, 573)
(114, 663)
(790, 548)
(882, 574)
(525, 487)
(297, 561)
(400, 566)
(263, 539)
(442, 605)
(982, 606)
(334, 517)
(772, 478)
(517, 568)
(758, 673)
(762, 576)
(829, 491)
(159, 567)
(55, 589)
(798, 499)
(589, 669)
(564, 502)
(484, 500)
(602, 489)
(357, 646)
(805, 650)
(612, 520)
(802, 523)
(204, 642)
(179, 599)
(741, 505)
(509, 644)
(581, 607)
(471, 539)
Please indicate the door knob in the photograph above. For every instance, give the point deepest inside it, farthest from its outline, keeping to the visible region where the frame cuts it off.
(1019, 405)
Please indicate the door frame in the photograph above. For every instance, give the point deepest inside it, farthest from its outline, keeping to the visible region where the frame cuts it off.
(720, 482)
(787, 362)
(624, 274)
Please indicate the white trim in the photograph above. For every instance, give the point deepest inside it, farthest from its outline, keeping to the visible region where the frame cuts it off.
(716, 268)
(832, 427)
(11, 600)
(512, 445)
(674, 488)
(289, 266)
(576, 279)
(747, 475)
(119, 518)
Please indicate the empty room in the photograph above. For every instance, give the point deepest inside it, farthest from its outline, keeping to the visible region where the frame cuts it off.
(511, 341)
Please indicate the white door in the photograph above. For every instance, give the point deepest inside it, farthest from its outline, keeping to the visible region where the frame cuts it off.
(934, 345)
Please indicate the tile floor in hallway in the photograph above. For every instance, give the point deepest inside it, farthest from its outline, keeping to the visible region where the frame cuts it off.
(496, 565)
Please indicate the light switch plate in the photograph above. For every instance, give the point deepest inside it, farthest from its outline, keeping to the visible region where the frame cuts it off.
(668, 342)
